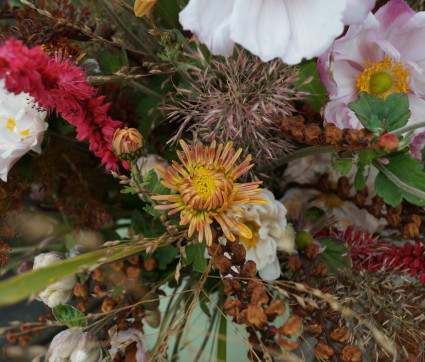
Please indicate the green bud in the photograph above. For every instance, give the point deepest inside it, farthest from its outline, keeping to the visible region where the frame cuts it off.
(303, 239)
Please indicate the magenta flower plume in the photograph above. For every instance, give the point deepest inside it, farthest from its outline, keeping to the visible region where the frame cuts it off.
(62, 87)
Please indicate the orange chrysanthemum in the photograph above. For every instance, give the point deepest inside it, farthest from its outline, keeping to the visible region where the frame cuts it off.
(206, 190)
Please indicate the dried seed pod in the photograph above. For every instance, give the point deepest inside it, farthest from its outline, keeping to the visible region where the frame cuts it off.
(292, 326)
(416, 219)
(253, 316)
(287, 343)
(259, 296)
(319, 269)
(150, 264)
(294, 263)
(350, 354)
(223, 264)
(232, 307)
(323, 351)
(340, 334)
(231, 286)
(343, 189)
(314, 330)
(248, 270)
(311, 251)
(277, 308)
(393, 220)
(411, 230)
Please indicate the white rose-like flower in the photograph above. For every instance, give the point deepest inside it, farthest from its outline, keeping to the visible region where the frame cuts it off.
(269, 233)
(22, 128)
(60, 291)
(286, 29)
(74, 346)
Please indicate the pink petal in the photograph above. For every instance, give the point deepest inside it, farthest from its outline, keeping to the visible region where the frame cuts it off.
(338, 113)
(393, 15)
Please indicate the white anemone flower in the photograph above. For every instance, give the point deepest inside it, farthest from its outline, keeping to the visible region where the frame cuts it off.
(286, 29)
(270, 233)
(22, 128)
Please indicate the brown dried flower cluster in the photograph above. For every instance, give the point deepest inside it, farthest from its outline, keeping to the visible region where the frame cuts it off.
(312, 134)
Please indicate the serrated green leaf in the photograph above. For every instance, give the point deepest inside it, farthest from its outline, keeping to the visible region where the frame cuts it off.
(314, 87)
(150, 209)
(69, 316)
(128, 190)
(410, 171)
(195, 256)
(335, 256)
(379, 115)
(165, 256)
(343, 165)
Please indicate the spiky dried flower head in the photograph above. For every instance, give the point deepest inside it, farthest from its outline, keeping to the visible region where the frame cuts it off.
(240, 98)
(127, 143)
(207, 189)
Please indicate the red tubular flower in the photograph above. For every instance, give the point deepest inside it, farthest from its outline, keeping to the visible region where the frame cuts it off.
(63, 87)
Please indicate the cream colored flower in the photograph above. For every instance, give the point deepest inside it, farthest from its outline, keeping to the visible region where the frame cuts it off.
(269, 234)
(74, 346)
(22, 128)
(60, 291)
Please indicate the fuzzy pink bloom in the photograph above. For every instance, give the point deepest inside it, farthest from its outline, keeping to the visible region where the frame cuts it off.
(389, 42)
(61, 87)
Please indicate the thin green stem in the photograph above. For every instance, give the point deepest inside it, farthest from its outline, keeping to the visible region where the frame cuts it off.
(412, 127)
(411, 190)
(303, 152)
(145, 89)
(123, 26)
(222, 339)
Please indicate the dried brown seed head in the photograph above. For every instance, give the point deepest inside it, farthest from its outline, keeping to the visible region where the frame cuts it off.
(292, 326)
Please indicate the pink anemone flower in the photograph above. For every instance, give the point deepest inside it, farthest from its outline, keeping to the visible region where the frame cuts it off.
(286, 29)
(384, 55)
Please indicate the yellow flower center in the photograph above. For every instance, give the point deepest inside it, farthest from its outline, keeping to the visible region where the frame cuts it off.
(11, 124)
(383, 78)
(252, 241)
(203, 183)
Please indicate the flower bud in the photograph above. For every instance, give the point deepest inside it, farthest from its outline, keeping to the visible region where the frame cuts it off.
(303, 239)
(141, 7)
(74, 346)
(389, 142)
(127, 144)
(60, 291)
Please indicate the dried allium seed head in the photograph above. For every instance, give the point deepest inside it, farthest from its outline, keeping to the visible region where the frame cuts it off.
(220, 104)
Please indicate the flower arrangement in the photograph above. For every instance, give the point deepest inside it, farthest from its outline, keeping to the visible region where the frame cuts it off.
(212, 180)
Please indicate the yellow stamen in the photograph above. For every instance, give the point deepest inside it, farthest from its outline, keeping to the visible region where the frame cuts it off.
(11, 124)
(203, 183)
(383, 78)
(252, 241)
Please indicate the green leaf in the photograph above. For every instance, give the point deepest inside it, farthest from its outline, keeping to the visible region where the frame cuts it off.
(22, 286)
(195, 256)
(128, 190)
(204, 307)
(222, 339)
(407, 169)
(379, 115)
(166, 255)
(359, 179)
(314, 87)
(109, 63)
(335, 256)
(343, 165)
(70, 316)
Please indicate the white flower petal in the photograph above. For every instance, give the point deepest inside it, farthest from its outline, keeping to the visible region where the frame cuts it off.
(270, 271)
(210, 22)
(357, 10)
(261, 26)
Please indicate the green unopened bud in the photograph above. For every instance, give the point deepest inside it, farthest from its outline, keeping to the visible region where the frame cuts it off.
(303, 239)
